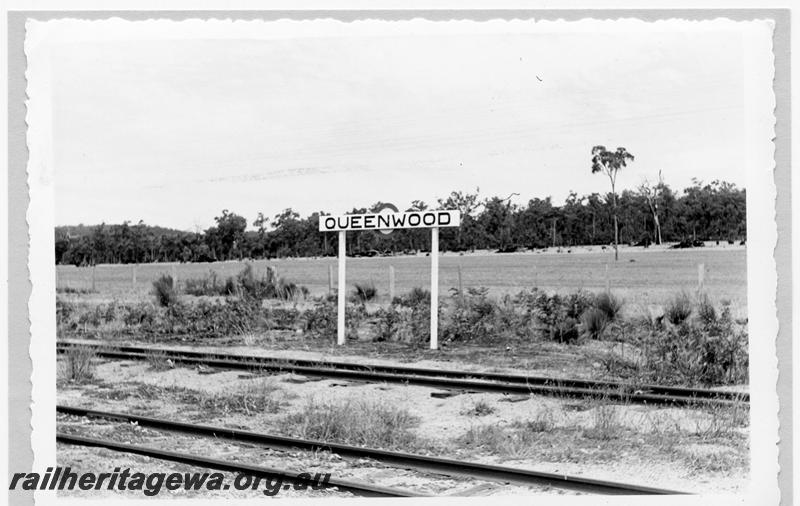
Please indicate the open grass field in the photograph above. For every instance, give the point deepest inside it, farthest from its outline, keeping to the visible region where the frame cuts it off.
(644, 276)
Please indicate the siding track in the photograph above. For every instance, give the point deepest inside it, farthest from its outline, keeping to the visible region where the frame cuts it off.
(436, 378)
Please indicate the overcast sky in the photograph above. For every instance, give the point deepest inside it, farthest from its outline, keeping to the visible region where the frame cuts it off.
(173, 130)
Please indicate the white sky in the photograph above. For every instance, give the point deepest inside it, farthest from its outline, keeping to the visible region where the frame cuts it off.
(172, 129)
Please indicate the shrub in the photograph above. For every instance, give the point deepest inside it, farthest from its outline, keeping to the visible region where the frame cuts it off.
(557, 314)
(414, 297)
(593, 323)
(379, 424)
(364, 292)
(609, 305)
(472, 317)
(164, 290)
(679, 309)
(78, 365)
(706, 354)
(706, 311)
(208, 285)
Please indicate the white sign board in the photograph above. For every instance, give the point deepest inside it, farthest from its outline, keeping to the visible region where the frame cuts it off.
(383, 221)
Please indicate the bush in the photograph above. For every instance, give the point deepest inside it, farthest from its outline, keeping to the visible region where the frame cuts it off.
(472, 317)
(679, 309)
(247, 284)
(706, 311)
(705, 354)
(593, 323)
(78, 365)
(414, 298)
(609, 305)
(365, 292)
(164, 290)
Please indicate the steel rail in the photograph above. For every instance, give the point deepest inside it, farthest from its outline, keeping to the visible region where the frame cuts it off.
(364, 489)
(407, 460)
(463, 380)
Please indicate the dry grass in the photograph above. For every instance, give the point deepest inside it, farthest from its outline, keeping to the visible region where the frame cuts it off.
(77, 366)
(261, 396)
(481, 407)
(354, 421)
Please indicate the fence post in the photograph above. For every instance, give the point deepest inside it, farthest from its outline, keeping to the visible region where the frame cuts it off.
(94, 286)
(133, 275)
(701, 276)
(174, 277)
(460, 283)
(330, 279)
(391, 283)
(608, 281)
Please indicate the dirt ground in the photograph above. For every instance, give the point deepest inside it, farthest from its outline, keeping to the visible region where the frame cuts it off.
(695, 450)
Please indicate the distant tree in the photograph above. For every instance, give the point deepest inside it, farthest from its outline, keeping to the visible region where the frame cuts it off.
(610, 163)
(230, 232)
(652, 193)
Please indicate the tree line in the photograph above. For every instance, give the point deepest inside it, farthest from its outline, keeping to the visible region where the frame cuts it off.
(648, 214)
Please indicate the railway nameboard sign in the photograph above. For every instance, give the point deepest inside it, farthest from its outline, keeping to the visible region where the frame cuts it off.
(415, 219)
(384, 221)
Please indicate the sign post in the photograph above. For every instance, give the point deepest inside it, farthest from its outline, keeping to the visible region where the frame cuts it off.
(384, 222)
(435, 288)
(340, 329)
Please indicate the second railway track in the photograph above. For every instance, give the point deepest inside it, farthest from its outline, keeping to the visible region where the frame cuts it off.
(415, 462)
(436, 378)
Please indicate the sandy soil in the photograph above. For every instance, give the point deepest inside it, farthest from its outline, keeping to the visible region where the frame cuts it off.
(634, 454)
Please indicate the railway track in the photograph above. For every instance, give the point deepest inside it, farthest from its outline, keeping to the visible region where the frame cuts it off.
(358, 488)
(436, 378)
(397, 459)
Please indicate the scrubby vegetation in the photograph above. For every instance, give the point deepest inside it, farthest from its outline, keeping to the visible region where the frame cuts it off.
(693, 340)
(246, 283)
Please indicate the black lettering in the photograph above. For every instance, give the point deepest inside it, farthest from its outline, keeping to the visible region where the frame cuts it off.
(174, 481)
(122, 477)
(15, 479)
(137, 481)
(153, 484)
(346, 221)
(429, 222)
(368, 220)
(398, 220)
(383, 218)
(242, 481)
(330, 223)
(302, 481)
(321, 481)
(54, 481)
(193, 481)
(411, 218)
(100, 479)
(86, 481)
(273, 486)
(68, 475)
(215, 481)
(442, 216)
(355, 222)
(31, 481)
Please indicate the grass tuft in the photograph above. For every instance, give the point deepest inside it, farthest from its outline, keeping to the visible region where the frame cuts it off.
(379, 424)
(78, 366)
(164, 290)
